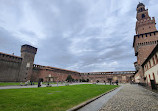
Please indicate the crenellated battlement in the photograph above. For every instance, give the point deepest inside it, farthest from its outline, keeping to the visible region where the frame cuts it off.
(145, 21)
(28, 48)
(9, 57)
(106, 73)
(35, 66)
(145, 35)
(38, 66)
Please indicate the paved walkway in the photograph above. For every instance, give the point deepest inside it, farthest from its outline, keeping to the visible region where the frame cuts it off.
(132, 98)
(35, 86)
(97, 104)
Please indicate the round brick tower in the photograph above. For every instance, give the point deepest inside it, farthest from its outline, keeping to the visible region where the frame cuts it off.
(28, 54)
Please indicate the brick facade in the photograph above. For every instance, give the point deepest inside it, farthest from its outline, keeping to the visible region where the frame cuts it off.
(14, 68)
(145, 40)
(56, 74)
(9, 67)
(121, 76)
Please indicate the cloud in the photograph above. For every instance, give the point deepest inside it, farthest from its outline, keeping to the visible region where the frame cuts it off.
(9, 43)
(78, 35)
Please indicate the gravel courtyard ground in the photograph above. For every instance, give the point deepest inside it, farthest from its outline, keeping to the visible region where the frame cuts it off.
(132, 98)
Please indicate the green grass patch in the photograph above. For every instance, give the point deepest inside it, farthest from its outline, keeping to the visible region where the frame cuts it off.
(9, 83)
(49, 98)
(18, 83)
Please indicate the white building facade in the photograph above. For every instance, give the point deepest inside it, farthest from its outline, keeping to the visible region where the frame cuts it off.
(150, 69)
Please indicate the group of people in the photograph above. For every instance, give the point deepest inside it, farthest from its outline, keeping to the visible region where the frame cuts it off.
(27, 83)
(112, 83)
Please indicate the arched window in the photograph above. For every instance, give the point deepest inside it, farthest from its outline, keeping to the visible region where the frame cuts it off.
(156, 58)
(154, 77)
(149, 78)
(149, 64)
(153, 61)
(145, 68)
(143, 16)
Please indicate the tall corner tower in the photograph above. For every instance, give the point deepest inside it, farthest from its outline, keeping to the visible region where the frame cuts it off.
(28, 54)
(144, 22)
(146, 36)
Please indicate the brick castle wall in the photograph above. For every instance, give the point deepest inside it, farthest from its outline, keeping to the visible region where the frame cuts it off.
(9, 67)
(125, 77)
(56, 74)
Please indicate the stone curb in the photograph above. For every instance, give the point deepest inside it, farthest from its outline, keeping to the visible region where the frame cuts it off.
(75, 108)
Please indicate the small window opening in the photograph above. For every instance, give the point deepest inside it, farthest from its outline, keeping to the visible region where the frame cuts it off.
(143, 16)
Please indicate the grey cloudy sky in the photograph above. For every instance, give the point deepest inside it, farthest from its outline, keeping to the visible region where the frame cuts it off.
(80, 35)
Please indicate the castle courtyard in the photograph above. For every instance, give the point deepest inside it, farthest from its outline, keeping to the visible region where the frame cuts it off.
(59, 98)
(78, 55)
(127, 97)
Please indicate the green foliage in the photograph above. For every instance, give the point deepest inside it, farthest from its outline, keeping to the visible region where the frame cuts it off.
(69, 78)
(49, 98)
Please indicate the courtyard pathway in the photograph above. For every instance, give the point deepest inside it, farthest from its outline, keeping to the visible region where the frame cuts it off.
(132, 98)
(35, 86)
(98, 103)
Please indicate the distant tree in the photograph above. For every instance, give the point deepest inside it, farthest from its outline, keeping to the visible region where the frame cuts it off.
(69, 78)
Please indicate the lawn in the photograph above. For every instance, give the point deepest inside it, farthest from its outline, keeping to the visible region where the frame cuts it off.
(9, 83)
(49, 98)
(18, 83)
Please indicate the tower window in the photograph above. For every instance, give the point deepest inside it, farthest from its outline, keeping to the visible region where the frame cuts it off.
(143, 16)
(141, 9)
